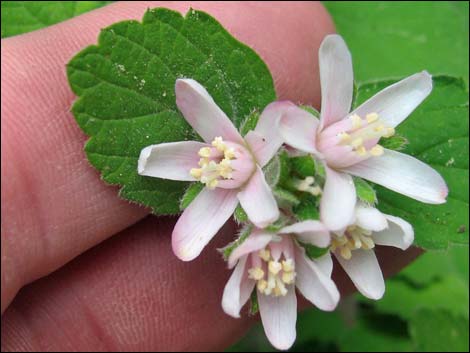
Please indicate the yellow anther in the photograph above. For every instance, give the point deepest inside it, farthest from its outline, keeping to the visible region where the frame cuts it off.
(377, 150)
(212, 184)
(390, 132)
(256, 273)
(288, 277)
(367, 243)
(356, 121)
(357, 142)
(262, 285)
(203, 162)
(344, 137)
(379, 128)
(316, 190)
(265, 255)
(196, 173)
(205, 152)
(372, 117)
(361, 151)
(219, 144)
(274, 267)
(229, 153)
(345, 252)
(288, 265)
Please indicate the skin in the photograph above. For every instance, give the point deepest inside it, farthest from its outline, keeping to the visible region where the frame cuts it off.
(128, 291)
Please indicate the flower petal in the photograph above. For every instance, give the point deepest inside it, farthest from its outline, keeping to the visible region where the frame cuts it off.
(325, 263)
(311, 232)
(279, 316)
(255, 241)
(403, 174)
(399, 234)
(338, 200)
(171, 160)
(298, 129)
(258, 201)
(396, 102)
(202, 113)
(201, 220)
(265, 141)
(237, 290)
(336, 76)
(313, 283)
(370, 218)
(364, 270)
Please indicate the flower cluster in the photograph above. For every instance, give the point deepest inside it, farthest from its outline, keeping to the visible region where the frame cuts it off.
(273, 256)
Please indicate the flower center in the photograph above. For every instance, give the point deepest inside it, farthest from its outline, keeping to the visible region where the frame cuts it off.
(215, 163)
(365, 133)
(353, 238)
(272, 276)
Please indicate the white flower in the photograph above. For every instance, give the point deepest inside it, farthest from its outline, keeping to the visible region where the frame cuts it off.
(347, 142)
(354, 247)
(228, 164)
(276, 264)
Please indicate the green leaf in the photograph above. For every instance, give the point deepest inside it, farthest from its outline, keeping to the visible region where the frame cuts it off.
(304, 166)
(439, 331)
(398, 39)
(190, 194)
(311, 110)
(249, 123)
(254, 306)
(26, 16)
(395, 142)
(307, 208)
(240, 215)
(438, 135)
(126, 94)
(365, 192)
(313, 252)
(404, 299)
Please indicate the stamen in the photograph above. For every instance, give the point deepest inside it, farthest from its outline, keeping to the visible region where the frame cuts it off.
(344, 137)
(356, 121)
(265, 254)
(377, 151)
(307, 185)
(353, 238)
(372, 117)
(256, 273)
(274, 267)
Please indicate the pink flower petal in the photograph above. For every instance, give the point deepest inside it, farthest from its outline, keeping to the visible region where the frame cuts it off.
(201, 220)
(338, 200)
(336, 76)
(265, 140)
(364, 270)
(257, 240)
(325, 263)
(202, 113)
(314, 284)
(370, 218)
(396, 102)
(311, 232)
(403, 174)
(279, 316)
(171, 160)
(258, 201)
(298, 129)
(399, 234)
(238, 289)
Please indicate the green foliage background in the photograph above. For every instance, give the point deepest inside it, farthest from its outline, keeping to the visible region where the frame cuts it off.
(426, 306)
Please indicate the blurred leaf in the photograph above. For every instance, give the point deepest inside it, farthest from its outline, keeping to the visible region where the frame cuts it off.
(402, 298)
(439, 331)
(249, 123)
(240, 215)
(126, 93)
(438, 135)
(304, 166)
(393, 39)
(307, 208)
(26, 16)
(395, 142)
